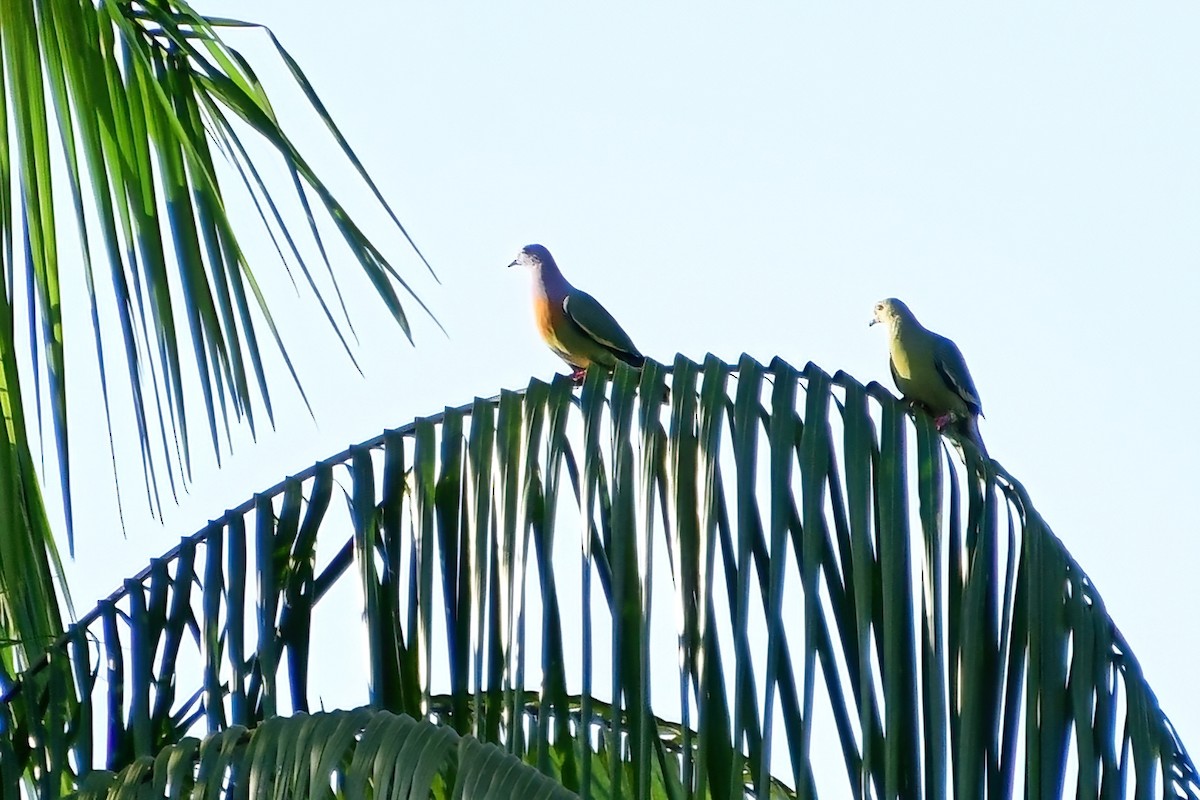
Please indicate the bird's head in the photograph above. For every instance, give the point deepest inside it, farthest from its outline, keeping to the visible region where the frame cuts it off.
(532, 255)
(889, 311)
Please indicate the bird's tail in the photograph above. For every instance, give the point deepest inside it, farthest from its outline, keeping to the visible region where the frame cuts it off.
(969, 429)
(636, 360)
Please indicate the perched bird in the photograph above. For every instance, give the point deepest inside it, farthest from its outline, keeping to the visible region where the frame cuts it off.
(929, 369)
(578, 329)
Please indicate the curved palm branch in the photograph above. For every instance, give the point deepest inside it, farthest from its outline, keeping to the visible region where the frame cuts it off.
(130, 132)
(361, 752)
(801, 565)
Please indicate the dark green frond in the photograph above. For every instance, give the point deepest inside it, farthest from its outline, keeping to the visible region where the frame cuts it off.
(121, 154)
(360, 753)
(836, 601)
(138, 114)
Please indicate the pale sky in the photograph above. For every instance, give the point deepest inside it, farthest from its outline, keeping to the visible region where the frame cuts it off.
(1026, 177)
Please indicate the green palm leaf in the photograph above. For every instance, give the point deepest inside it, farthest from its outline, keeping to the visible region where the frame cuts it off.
(769, 545)
(356, 753)
(125, 147)
(141, 94)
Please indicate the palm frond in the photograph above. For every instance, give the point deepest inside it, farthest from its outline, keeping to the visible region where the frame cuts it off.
(359, 753)
(29, 623)
(123, 130)
(785, 563)
(138, 113)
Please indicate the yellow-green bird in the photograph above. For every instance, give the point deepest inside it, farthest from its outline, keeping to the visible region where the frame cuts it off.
(930, 369)
(577, 328)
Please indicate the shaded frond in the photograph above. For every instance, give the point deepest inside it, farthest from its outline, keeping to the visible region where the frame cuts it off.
(796, 570)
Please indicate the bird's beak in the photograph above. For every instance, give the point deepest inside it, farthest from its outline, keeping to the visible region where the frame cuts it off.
(872, 322)
(514, 262)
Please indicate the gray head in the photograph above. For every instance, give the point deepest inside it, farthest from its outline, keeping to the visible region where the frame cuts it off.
(534, 255)
(891, 310)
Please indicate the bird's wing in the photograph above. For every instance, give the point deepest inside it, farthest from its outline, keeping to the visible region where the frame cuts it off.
(895, 375)
(594, 320)
(951, 365)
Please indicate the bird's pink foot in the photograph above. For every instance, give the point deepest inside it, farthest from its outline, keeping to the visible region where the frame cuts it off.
(942, 421)
(578, 375)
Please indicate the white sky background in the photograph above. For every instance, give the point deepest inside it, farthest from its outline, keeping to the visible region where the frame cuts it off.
(1026, 179)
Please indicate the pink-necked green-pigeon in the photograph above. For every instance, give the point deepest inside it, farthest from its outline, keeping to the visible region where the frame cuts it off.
(577, 328)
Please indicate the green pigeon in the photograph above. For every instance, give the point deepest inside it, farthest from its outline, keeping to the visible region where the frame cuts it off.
(929, 369)
(577, 328)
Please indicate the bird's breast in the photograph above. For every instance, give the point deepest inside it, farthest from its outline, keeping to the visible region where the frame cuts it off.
(550, 320)
(543, 315)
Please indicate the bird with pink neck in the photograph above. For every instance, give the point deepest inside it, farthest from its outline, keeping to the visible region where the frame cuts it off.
(576, 327)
